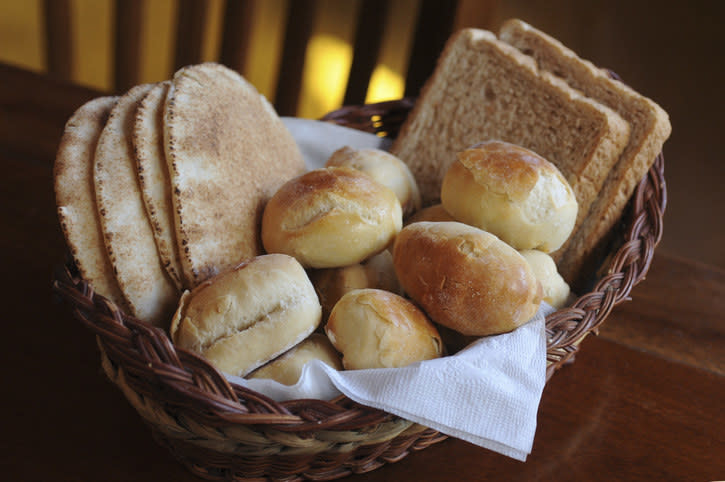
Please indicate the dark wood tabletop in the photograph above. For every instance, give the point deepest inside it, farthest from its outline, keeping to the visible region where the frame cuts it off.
(642, 401)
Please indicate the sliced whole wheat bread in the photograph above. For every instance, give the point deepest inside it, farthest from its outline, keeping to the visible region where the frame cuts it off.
(483, 89)
(649, 123)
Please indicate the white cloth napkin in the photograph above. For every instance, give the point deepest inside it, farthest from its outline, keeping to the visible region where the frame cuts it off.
(487, 394)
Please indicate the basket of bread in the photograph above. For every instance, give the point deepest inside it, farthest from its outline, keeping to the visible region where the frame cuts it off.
(295, 299)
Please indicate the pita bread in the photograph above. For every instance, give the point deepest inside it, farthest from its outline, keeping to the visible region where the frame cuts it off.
(76, 197)
(153, 176)
(127, 232)
(228, 152)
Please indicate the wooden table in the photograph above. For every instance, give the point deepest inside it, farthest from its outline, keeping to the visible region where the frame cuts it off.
(643, 401)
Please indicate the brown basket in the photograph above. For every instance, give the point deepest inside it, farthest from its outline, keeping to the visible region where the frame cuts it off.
(222, 431)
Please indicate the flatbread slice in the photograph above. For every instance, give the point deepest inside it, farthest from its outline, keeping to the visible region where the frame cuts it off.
(127, 232)
(76, 198)
(153, 176)
(228, 152)
(650, 127)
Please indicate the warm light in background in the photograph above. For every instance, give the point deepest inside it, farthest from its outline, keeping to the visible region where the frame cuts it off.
(328, 58)
(327, 66)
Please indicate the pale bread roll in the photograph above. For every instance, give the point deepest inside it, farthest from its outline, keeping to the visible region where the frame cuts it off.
(228, 152)
(248, 315)
(127, 231)
(556, 289)
(153, 177)
(385, 168)
(332, 283)
(513, 193)
(378, 329)
(465, 278)
(287, 368)
(331, 217)
(76, 197)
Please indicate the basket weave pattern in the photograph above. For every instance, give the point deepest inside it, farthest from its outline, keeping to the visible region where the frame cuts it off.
(222, 431)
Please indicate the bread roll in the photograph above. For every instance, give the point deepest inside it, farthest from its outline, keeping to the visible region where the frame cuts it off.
(465, 278)
(433, 213)
(331, 217)
(248, 315)
(556, 290)
(332, 283)
(378, 329)
(287, 368)
(385, 168)
(513, 193)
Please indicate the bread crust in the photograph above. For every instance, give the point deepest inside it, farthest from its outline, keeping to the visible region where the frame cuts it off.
(76, 198)
(228, 152)
(464, 278)
(650, 128)
(331, 217)
(248, 315)
(153, 176)
(127, 231)
(484, 89)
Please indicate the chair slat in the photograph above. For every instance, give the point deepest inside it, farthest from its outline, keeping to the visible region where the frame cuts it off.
(238, 15)
(298, 29)
(127, 44)
(433, 27)
(366, 50)
(191, 21)
(58, 42)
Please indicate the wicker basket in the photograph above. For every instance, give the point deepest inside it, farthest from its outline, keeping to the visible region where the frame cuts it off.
(222, 431)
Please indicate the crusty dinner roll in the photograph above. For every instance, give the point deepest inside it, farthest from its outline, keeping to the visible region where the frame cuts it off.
(287, 368)
(332, 283)
(511, 192)
(465, 278)
(556, 290)
(246, 316)
(378, 329)
(331, 217)
(385, 168)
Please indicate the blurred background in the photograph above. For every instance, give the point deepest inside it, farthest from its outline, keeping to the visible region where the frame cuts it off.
(310, 57)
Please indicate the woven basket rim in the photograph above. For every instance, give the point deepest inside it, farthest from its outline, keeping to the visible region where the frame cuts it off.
(142, 360)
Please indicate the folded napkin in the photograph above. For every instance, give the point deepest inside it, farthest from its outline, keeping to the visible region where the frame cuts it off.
(487, 394)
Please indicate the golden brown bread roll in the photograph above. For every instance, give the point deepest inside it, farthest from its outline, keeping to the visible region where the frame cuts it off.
(332, 283)
(385, 168)
(465, 278)
(513, 193)
(246, 316)
(378, 329)
(287, 368)
(556, 290)
(331, 217)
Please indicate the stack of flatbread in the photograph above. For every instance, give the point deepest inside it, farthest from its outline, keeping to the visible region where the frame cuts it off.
(526, 88)
(163, 187)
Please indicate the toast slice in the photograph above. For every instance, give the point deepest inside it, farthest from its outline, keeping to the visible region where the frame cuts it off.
(649, 123)
(228, 152)
(483, 89)
(76, 198)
